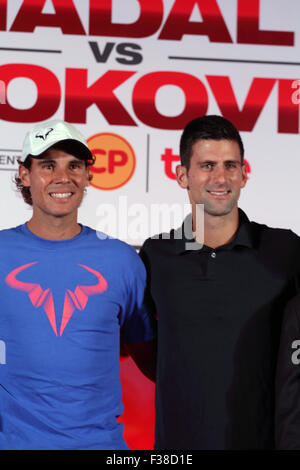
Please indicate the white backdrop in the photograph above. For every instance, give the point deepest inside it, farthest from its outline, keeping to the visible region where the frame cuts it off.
(272, 192)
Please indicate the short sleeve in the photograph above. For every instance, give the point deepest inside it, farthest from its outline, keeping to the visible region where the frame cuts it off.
(135, 321)
(149, 302)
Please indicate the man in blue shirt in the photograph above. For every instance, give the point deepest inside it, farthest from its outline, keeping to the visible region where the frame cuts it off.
(67, 296)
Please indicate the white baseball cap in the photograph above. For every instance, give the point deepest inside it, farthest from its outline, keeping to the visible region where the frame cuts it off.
(43, 136)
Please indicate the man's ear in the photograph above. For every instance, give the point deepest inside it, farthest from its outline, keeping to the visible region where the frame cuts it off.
(244, 175)
(89, 176)
(24, 175)
(182, 176)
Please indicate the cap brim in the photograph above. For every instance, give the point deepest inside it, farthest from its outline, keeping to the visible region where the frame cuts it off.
(71, 146)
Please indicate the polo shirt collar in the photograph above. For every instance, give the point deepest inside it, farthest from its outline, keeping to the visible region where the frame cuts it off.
(243, 237)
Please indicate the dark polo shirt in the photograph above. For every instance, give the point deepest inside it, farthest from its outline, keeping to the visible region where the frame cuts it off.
(219, 317)
(287, 417)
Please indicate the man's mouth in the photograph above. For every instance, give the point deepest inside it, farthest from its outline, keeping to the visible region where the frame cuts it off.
(60, 195)
(219, 193)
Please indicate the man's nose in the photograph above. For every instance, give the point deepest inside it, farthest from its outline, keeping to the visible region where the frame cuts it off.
(61, 175)
(219, 174)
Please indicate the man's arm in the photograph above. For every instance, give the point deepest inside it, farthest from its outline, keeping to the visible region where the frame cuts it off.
(287, 410)
(144, 355)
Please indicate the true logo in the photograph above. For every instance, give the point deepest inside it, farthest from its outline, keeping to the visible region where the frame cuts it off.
(44, 298)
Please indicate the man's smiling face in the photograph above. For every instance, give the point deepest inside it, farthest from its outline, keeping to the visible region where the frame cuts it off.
(215, 176)
(57, 182)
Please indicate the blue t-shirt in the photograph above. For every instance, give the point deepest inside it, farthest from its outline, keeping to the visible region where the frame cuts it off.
(64, 305)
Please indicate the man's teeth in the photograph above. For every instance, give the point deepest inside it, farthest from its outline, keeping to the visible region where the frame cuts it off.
(60, 195)
(219, 193)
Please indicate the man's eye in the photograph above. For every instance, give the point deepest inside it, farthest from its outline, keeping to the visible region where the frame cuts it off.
(48, 166)
(231, 166)
(207, 166)
(75, 166)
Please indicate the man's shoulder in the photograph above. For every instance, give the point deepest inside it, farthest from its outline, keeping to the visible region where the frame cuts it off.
(115, 248)
(8, 233)
(10, 229)
(162, 240)
(275, 234)
(278, 247)
(113, 243)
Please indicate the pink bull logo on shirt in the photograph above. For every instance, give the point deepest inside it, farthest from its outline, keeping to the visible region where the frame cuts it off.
(44, 298)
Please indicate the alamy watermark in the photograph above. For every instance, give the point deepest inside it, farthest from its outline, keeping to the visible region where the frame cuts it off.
(2, 352)
(295, 358)
(136, 222)
(296, 94)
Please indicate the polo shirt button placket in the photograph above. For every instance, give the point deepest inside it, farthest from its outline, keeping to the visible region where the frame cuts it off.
(213, 254)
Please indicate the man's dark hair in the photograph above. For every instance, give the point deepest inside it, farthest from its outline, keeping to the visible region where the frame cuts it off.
(65, 147)
(209, 128)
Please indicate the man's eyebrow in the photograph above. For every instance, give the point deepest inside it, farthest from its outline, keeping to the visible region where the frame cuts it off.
(206, 161)
(46, 160)
(77, 160)
(49, 160)
(234, 161)
(215, 162)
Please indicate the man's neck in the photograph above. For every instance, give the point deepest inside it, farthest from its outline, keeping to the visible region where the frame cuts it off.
(220, 230)
(54, 228)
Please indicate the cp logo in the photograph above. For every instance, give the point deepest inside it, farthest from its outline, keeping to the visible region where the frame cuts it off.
(115, 161)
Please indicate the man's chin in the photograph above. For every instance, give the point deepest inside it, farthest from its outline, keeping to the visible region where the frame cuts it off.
(218, 211)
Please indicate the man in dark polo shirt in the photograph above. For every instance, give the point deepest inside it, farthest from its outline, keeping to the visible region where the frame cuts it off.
(287, 416)
(219, 306)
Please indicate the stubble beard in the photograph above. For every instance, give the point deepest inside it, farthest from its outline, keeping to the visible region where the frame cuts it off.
(222, 210)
